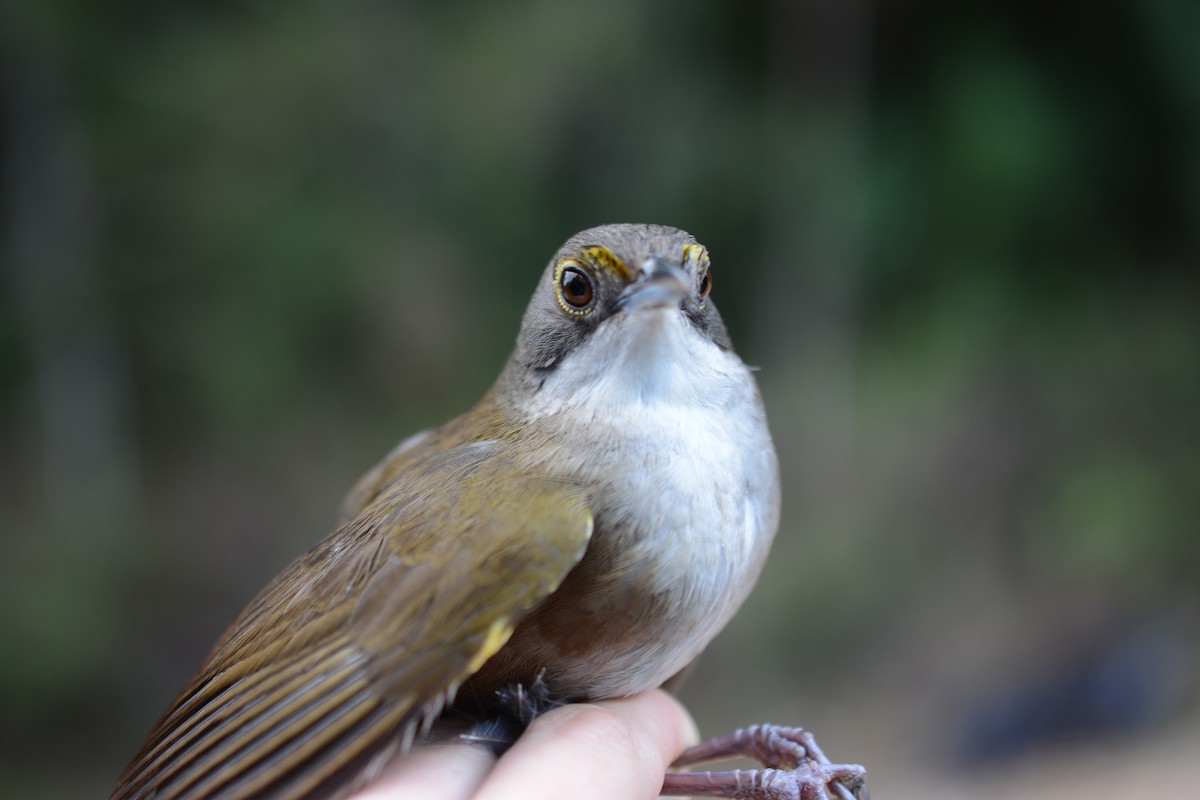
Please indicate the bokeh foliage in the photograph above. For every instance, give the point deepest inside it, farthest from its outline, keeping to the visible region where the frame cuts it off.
(247, 247)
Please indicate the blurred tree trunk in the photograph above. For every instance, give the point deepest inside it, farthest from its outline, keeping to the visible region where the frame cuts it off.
(816, 192)
(78, 396)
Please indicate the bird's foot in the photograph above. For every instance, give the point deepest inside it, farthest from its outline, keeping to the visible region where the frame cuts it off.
(795, 768)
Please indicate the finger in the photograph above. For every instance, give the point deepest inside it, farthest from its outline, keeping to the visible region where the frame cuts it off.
(438, 771)
(594, 751)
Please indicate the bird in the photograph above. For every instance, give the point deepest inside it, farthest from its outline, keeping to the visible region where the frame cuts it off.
(580, 533)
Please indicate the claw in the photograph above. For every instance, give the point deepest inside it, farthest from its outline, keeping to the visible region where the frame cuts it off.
(795, 768)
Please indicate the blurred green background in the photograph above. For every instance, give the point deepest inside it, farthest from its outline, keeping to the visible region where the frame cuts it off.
(248, 247)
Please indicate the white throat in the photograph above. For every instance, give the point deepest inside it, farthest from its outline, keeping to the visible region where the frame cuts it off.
(653, 357)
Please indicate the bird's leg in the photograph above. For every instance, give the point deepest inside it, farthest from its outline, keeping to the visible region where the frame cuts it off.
(525, 703)
(514, 708)
(795, 768)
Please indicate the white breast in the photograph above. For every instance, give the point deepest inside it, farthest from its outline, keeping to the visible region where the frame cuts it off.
(670, 428)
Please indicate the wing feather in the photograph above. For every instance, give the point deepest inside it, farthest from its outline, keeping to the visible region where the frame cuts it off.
(364, 638)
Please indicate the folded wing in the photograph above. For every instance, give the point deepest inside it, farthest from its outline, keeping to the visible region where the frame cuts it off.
(336, 663)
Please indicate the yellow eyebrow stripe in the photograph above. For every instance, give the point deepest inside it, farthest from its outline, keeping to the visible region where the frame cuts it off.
(695, 252)
(605, 258)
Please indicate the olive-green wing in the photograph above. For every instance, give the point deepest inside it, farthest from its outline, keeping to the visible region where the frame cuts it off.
(368, 635)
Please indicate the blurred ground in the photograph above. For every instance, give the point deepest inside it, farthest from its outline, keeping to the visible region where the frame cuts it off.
(1161, 765)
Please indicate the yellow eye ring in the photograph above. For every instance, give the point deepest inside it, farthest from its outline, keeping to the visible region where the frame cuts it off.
(574, 288)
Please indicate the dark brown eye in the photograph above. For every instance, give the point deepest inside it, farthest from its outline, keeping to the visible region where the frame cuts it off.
(706, 284)
(576, 287)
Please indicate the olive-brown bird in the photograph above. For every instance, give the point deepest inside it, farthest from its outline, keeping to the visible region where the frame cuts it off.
(586, 528)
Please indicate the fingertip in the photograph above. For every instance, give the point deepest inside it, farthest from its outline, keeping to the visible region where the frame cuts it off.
(613, 748)
(678, 729)
(689, 732)
(446, 771)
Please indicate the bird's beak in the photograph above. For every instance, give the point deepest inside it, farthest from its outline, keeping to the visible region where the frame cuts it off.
(662, 285)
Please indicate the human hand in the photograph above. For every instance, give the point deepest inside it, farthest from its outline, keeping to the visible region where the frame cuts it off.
(611, 750)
